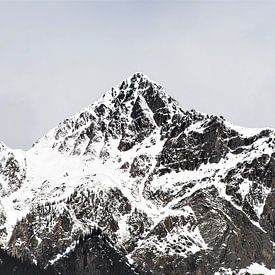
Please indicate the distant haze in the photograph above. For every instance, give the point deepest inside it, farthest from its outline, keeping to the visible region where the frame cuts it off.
(56, 58)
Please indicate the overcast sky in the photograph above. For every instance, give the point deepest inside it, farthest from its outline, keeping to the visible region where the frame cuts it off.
(56, 58)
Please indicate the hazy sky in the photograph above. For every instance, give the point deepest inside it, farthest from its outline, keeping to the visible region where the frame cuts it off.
(58, 57)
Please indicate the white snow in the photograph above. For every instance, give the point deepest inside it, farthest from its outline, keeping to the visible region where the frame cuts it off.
(245, 132)
(59, 256)
(254, 268)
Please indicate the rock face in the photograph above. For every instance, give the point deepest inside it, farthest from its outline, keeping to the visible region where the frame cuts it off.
(12, 170)
(95, 254)
(173, 191)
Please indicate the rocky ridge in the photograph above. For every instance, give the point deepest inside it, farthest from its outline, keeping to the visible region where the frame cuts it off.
(175, 191)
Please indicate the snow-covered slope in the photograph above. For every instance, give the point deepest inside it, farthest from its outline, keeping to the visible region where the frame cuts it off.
(176, 191)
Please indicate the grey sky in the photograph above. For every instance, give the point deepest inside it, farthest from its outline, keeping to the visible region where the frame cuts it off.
(56, 58)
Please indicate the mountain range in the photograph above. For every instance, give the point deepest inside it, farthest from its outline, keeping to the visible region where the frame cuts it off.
(134, 184)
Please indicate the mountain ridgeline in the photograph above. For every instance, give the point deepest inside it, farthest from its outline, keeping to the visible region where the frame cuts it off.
(134, 184)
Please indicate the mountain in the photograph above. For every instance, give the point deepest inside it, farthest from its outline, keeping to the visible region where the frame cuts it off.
(171, 191)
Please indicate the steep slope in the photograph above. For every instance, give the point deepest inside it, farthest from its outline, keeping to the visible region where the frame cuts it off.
(176, 191)
(95, 254)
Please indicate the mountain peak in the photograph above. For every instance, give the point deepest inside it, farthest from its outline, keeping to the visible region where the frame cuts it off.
(138, 76)
(134, 96)
(135, 86)
(138, 81)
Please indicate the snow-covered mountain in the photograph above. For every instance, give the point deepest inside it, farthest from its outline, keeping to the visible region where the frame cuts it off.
(175, 191)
